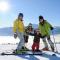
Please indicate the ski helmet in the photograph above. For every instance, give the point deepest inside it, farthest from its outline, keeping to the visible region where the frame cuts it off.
(20, 14)
(41, 17)
(30, 24)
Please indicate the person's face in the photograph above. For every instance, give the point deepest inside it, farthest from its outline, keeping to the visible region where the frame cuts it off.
(30, 27)
(38, 32)
(41, 20)
(21, 18)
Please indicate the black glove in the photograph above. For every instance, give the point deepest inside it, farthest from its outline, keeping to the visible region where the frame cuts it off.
(43, 36)
(51, 28)
(15, 35)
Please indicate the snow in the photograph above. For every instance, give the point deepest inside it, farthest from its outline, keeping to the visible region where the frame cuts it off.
(8, 44)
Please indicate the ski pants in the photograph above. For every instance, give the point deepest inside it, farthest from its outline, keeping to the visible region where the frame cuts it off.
(26, 38)
(49, 41)
(21, 38)
(35, 46)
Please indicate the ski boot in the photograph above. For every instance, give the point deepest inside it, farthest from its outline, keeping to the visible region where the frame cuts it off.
(25, 48)
(45, 49)
(38, 50)
(52, 49)
(17, 51)
(22, 50)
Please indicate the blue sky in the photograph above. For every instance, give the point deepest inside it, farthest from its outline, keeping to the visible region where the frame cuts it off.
(31, 9)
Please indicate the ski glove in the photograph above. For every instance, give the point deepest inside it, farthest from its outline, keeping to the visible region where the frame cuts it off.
(43, 36)
(15, 35)
(51, 28)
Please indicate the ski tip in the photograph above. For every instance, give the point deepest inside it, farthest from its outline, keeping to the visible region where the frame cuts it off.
(53, 54)
(2, 53)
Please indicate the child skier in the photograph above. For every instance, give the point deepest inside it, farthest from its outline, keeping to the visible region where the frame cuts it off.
(18, 29)
(36, 41)
(29, 28)
(45, 29)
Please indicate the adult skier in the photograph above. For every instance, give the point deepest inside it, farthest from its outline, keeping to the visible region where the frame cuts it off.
(45, 30)
(18, 30)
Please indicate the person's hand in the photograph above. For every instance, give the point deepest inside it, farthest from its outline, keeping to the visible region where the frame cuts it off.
(52, 28)
(30, 31)
(15, 35)
(43, 36)
(27, 31)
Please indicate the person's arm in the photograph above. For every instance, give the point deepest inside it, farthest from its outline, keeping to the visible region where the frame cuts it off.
(51, 27)
(27, 30)
(32, 34)
(14, 27)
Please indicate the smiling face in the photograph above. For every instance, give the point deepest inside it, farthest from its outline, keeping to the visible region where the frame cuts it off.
(41, 20)
(20, 18)
(37, 32)
(30, 28)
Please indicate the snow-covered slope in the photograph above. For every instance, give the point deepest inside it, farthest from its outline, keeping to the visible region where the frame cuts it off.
(8, 44)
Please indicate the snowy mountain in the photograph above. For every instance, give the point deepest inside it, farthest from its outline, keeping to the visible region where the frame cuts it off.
(8, 48)
(57, 30)
(8, 31)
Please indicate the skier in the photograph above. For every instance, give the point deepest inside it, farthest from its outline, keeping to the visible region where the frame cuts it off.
(29, 28)
(18, 30)
(36, 41)
(45, 29)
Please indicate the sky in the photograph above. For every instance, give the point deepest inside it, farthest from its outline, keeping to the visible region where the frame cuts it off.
(31, 9)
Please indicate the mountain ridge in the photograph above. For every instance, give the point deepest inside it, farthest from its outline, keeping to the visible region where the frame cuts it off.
(8, 31)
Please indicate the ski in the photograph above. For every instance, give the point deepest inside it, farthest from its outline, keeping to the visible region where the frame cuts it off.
(28, 52)
(20, 54)
(53, 54)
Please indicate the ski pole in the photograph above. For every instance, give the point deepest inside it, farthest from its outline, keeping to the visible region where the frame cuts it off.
(54, 41)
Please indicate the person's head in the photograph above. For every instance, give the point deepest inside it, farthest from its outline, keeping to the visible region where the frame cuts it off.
(20, 16)
(30, 25)
(41, 19)
(37, 31)
(30, 28)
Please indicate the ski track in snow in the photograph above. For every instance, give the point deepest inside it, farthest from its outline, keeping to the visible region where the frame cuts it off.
(4, 47)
